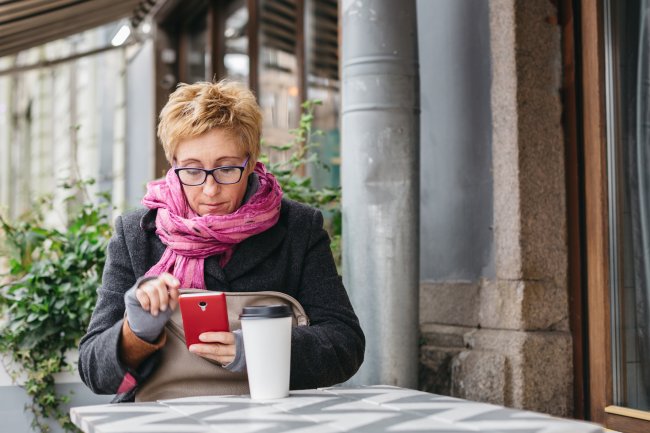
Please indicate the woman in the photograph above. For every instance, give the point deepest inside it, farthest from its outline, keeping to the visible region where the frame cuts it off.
(217, 221)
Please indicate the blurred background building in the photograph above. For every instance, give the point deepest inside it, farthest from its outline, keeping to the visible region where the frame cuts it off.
(92, 96)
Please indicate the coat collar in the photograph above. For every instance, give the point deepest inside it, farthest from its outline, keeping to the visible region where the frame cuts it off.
(254, 250)
(247, 255)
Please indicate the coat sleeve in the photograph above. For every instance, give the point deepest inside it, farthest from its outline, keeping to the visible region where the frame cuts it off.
(331, 349)
(100, 366)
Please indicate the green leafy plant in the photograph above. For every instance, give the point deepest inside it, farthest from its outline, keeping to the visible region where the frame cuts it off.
(48, 295)
(290, 173)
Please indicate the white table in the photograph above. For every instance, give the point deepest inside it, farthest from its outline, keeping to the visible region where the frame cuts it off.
(367, 409)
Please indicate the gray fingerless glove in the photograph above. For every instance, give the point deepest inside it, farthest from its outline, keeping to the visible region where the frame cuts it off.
(239, 363)
(143, 323)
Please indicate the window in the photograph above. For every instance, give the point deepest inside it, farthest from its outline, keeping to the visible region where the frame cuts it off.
(615, 76)
(236, 59)
(627, 74)
(279, 85)
(286, 50)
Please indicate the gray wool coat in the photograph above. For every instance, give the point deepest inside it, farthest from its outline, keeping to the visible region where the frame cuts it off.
(292, 257)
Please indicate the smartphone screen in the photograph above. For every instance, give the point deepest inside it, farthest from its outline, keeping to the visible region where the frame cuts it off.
(203, 312)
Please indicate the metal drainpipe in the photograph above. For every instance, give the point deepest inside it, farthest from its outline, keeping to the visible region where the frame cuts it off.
(380, 178)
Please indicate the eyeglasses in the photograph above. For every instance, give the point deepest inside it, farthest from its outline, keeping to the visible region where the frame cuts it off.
(225, 175)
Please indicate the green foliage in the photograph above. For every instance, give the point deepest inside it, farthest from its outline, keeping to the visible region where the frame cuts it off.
(48, 295)
(290, 173)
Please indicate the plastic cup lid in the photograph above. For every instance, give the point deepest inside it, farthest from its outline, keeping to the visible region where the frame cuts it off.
(265, 312)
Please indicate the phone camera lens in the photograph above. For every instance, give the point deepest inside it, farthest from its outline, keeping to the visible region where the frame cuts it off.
(202, 304)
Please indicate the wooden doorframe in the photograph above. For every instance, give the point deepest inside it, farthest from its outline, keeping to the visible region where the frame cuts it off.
(569, 20)
(596, 227)
(596, 208)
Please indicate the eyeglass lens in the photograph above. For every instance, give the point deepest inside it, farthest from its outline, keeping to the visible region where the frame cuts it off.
(223, 175)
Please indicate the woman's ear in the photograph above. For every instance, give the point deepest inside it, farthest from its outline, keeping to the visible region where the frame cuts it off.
(250, 167)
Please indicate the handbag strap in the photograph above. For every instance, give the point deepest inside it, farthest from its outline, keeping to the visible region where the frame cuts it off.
(247, 299)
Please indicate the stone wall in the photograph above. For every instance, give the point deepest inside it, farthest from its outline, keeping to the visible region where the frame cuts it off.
(506, 339)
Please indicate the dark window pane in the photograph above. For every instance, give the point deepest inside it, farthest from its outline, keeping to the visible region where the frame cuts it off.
(628, 59)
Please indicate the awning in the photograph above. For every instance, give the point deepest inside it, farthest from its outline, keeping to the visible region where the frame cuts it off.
(28, 23)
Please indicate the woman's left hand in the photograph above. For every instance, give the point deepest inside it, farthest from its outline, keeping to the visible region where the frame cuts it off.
(218, 346)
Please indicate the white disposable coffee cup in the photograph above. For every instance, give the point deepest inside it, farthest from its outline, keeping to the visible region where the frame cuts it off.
(267, 341)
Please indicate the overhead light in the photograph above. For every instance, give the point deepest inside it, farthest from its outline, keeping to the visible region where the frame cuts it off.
(146, 28)
(121, 35)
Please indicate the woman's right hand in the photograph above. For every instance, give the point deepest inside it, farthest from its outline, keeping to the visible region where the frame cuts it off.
(158, 294)
(150, 305)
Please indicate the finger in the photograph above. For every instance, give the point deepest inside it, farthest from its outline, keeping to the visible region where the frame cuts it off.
(170, 286)
(223, 360)
(163, 296)
(213, 351)
(143, 299)
(218, 337)
(173, 297)
(151, 289)
(170, 280)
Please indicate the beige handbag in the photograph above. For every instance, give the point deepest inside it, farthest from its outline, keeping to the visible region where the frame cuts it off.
(181, 373)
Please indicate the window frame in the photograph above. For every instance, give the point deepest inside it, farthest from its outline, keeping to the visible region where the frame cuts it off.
(592, 77)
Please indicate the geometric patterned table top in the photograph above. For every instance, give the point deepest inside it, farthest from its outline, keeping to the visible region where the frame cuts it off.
(363, 409)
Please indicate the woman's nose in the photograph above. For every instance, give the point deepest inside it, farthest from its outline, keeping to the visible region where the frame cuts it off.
(211, 187)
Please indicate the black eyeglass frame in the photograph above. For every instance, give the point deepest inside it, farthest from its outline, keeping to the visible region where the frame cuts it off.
(211, 172)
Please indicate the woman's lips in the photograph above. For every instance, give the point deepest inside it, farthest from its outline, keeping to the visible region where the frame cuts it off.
(215, 207)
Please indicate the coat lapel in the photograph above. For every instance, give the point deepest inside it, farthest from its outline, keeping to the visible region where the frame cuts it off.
(148, 224)
(212, 269)
(254, 251)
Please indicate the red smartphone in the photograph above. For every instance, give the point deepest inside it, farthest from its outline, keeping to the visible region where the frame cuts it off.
(203, 312)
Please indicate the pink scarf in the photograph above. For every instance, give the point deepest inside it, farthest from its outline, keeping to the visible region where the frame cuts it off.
(191, 238)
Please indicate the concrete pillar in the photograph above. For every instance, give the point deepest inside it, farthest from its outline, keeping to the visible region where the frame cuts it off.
(380, 177)
(524, 313)
(510, 343)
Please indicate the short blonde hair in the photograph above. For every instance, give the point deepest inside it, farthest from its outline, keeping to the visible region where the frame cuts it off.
(194, 109)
